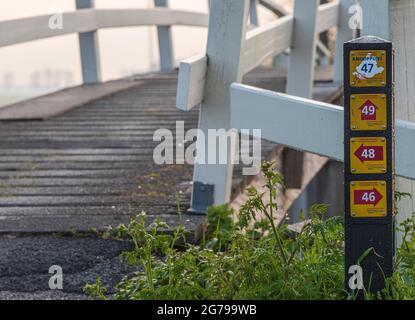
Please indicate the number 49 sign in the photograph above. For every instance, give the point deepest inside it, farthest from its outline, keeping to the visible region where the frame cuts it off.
(368, 112)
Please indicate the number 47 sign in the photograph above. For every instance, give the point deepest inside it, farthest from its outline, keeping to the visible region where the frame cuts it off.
(368, 68)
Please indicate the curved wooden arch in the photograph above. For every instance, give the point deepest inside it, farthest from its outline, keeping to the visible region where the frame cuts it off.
(86, 20)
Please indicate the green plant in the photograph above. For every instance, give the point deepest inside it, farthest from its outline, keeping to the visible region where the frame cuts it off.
(252, 257)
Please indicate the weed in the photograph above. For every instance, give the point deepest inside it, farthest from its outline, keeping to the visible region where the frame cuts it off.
(251, 257)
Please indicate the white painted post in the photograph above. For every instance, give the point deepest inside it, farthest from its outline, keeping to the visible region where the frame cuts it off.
(165, 42)
(302, 59)
(253, 12)
(301, 76)
(393, 20)
(89, 49)
(375, 18)
(227, 29)
(344, 34)
(402, 34)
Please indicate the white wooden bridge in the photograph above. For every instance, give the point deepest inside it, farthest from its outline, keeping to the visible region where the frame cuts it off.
(92, 166)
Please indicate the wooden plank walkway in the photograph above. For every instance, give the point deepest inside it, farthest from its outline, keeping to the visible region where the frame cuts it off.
(93, 166)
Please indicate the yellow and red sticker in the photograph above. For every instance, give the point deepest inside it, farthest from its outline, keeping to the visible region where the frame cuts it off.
(368, 112)
(367, 68)
(368, 155)
(368, 199)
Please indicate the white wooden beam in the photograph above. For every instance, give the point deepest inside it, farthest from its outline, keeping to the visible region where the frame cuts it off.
(328, 16)
(261, 43)
(87, 20)
(191, 83)
(375, 18)
(165, 42)
(302, 59)
(34, 28)
(226, 36)
(344, 34)
(266, 41)
(114, 18)
(400, 18)
(89, 49)
(274, 7)
(308, 125)
(300, 123)
(253, 12)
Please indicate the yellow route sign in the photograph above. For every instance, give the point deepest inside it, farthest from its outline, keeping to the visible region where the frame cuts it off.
(368, 155)
(368, 112)
(367, 68)
(368, 199)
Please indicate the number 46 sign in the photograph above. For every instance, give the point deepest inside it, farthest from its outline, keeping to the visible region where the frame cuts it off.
(368, 199)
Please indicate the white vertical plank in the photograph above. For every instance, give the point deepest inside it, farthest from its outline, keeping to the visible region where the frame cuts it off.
(402, 33)
(344, 34)
(165, 42)
(253, 12)
(375, 18)
(302, 58)
(301, 71)
(191, 82)
(227, 29)
(89, 49)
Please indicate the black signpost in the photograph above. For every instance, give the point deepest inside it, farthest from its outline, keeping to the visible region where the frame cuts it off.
(369, 164)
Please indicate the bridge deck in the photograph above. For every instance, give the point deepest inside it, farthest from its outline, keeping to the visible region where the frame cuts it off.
(93, 166)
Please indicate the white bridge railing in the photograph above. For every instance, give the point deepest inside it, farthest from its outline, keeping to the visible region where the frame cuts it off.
(291, 119)
(87, 20)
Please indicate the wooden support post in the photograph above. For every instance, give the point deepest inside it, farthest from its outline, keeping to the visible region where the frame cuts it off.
(253, 12)
(402, 31)
(165, 42)
(323, 58)
(227, 29)
(375, 18)
(89, 49)
(344, 34)
(302, 59)
(392, 19)
(292, 168)
(301, 76)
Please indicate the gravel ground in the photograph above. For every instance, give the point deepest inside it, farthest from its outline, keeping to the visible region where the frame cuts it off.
(25, 263)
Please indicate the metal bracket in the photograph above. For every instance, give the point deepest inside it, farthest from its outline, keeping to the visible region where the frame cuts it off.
(202, 197)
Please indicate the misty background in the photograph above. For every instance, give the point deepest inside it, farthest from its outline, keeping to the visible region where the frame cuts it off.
(43, 66)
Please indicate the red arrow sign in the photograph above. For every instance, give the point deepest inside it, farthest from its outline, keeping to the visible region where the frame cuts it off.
(365, 197)
(369, 153)
(368, 111)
